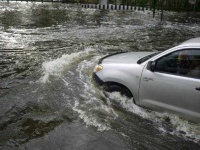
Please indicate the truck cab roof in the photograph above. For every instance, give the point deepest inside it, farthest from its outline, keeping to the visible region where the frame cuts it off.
(191, 42)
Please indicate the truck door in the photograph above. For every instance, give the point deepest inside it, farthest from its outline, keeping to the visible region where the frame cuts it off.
(173, 86)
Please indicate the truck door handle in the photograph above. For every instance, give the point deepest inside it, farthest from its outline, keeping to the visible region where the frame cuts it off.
(198, 88)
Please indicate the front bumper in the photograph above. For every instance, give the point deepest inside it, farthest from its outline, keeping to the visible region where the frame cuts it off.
(97, 79)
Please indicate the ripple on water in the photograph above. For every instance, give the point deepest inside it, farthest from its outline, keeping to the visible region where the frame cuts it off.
(47, 94)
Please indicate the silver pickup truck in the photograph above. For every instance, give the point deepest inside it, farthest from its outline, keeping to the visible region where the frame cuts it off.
(166, 81)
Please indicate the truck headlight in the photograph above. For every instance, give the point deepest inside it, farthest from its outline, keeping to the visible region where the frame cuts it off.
(98, 68)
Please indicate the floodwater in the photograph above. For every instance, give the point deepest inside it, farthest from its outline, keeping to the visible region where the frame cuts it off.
(48, 99)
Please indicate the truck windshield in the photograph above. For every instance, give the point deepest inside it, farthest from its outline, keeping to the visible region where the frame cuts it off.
(147, 57)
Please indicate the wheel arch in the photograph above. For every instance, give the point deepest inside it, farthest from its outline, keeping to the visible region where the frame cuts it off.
(121, 85)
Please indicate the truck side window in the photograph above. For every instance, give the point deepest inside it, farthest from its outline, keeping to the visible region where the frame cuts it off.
(183, 63)
(168, 63)
(195, 65)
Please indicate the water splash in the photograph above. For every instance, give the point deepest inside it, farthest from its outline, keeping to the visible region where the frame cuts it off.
(190, 131)
(90, 99)
(57, 66)
(89, 119)
(127, 104)
(180, 127)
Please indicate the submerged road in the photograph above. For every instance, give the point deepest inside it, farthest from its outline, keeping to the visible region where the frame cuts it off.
(48, 99)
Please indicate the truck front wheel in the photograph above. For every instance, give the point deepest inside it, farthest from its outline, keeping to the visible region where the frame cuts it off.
(114, 87)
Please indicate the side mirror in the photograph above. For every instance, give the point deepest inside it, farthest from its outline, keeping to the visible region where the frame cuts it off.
(151, 65)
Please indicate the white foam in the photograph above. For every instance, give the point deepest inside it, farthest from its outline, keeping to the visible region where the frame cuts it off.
(192, 131)
(57, 66)
(128, 104)
(89, 119)
(66, 83)
(89, 116)
(180, 127)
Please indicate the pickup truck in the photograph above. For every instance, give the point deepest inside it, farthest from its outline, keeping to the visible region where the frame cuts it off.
(163, 81)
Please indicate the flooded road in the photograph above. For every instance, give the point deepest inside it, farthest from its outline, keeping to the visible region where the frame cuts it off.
(48, 99)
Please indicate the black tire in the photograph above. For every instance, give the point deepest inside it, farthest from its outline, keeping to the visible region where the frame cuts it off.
(113, 87)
